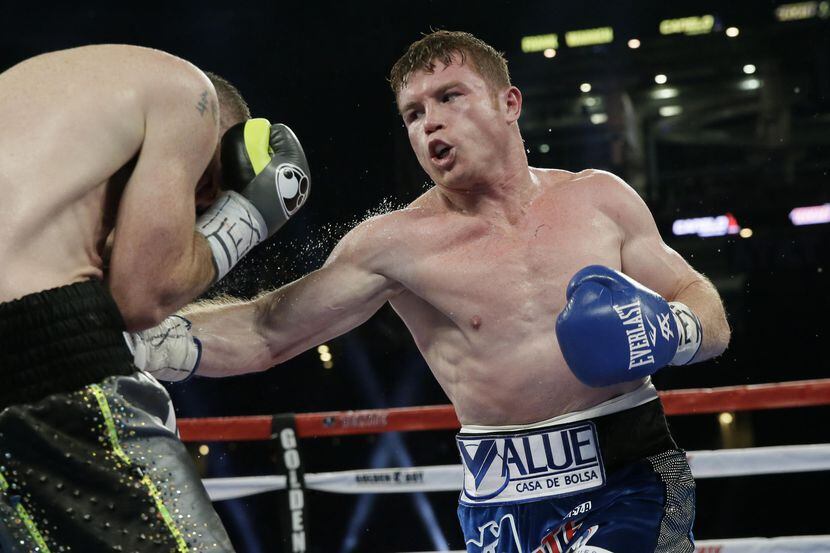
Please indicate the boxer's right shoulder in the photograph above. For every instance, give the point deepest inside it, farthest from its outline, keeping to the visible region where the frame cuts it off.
(124, 75)
(393, 231)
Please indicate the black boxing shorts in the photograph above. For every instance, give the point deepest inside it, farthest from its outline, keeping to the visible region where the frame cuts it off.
(89, 458)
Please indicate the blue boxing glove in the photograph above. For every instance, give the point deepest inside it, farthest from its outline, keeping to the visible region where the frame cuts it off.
(613, 329)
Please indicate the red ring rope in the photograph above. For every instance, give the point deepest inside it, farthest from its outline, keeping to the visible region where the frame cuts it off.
(694, 401)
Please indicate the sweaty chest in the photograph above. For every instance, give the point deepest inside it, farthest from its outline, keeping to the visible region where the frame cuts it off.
(496, 278)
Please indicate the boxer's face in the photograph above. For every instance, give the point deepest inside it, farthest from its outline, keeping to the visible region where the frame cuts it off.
(209, 186)
(455, 122)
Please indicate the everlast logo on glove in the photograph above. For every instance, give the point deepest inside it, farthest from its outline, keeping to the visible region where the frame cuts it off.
(543, 463)
(639, 346)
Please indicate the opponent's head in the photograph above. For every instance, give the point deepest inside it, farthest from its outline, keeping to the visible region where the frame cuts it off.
(232, 106)
(460, 110)
(232, 110)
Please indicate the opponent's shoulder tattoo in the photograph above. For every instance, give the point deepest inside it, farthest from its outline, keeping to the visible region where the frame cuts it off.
(205, 104)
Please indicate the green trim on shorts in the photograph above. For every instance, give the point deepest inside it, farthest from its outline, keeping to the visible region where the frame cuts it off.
(145, 478)
(30, 525)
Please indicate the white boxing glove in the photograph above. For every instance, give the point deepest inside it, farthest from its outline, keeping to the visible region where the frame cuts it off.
(168, 351)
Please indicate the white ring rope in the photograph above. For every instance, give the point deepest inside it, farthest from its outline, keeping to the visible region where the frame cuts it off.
(704, 464)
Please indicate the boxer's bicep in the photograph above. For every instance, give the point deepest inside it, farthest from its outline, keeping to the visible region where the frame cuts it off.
(320, 306)
(644, 255)
(350, 287)
(650, 261)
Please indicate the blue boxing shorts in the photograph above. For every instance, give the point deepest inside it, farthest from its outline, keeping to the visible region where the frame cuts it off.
(606, 480)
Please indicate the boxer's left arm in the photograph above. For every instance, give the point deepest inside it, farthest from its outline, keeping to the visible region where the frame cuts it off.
(237, 337)
(648, 260)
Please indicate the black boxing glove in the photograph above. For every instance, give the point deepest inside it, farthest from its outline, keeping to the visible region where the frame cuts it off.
(267, 178)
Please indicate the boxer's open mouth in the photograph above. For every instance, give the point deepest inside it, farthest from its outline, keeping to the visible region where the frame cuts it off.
(440, 152)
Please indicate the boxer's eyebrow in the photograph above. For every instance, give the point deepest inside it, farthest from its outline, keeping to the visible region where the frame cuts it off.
(448, 86)
(406, 107)
(435, 93)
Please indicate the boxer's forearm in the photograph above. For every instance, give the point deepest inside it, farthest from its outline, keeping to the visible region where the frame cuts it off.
(145, 301)
(230, 338)
(241, 337)
(703, 299)
(190, 276)
(318, 307)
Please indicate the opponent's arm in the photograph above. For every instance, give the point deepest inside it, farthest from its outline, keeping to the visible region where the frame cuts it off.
(241, 337)
(158, 262)
(267, 179)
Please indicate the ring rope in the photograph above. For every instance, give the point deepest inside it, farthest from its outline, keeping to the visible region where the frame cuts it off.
(694, 401)
(704, 464)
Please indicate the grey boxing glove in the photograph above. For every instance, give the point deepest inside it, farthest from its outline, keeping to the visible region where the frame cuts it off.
(267, 178)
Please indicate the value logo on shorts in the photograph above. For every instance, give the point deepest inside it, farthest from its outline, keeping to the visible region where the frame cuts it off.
(543, 463)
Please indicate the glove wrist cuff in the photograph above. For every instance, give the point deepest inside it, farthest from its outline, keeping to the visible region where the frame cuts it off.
(168, 352)
(690, 333)
(232, 227)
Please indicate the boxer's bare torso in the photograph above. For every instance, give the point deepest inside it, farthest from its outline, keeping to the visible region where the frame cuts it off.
(481, 297)
(74, 122)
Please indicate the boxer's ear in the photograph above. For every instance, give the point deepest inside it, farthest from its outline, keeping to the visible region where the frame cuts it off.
(512, 100)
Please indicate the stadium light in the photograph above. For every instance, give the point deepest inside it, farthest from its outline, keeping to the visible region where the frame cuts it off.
(540, 43)
(589, 37)
(599, 118)
(688, 25)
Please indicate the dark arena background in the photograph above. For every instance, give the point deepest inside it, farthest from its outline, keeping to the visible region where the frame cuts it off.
(717, 113)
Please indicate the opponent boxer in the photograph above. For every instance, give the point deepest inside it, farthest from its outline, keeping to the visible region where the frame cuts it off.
(538, 298)
(120, 142)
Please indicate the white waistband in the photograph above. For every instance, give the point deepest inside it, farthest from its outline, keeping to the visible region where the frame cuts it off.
(645, 393)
